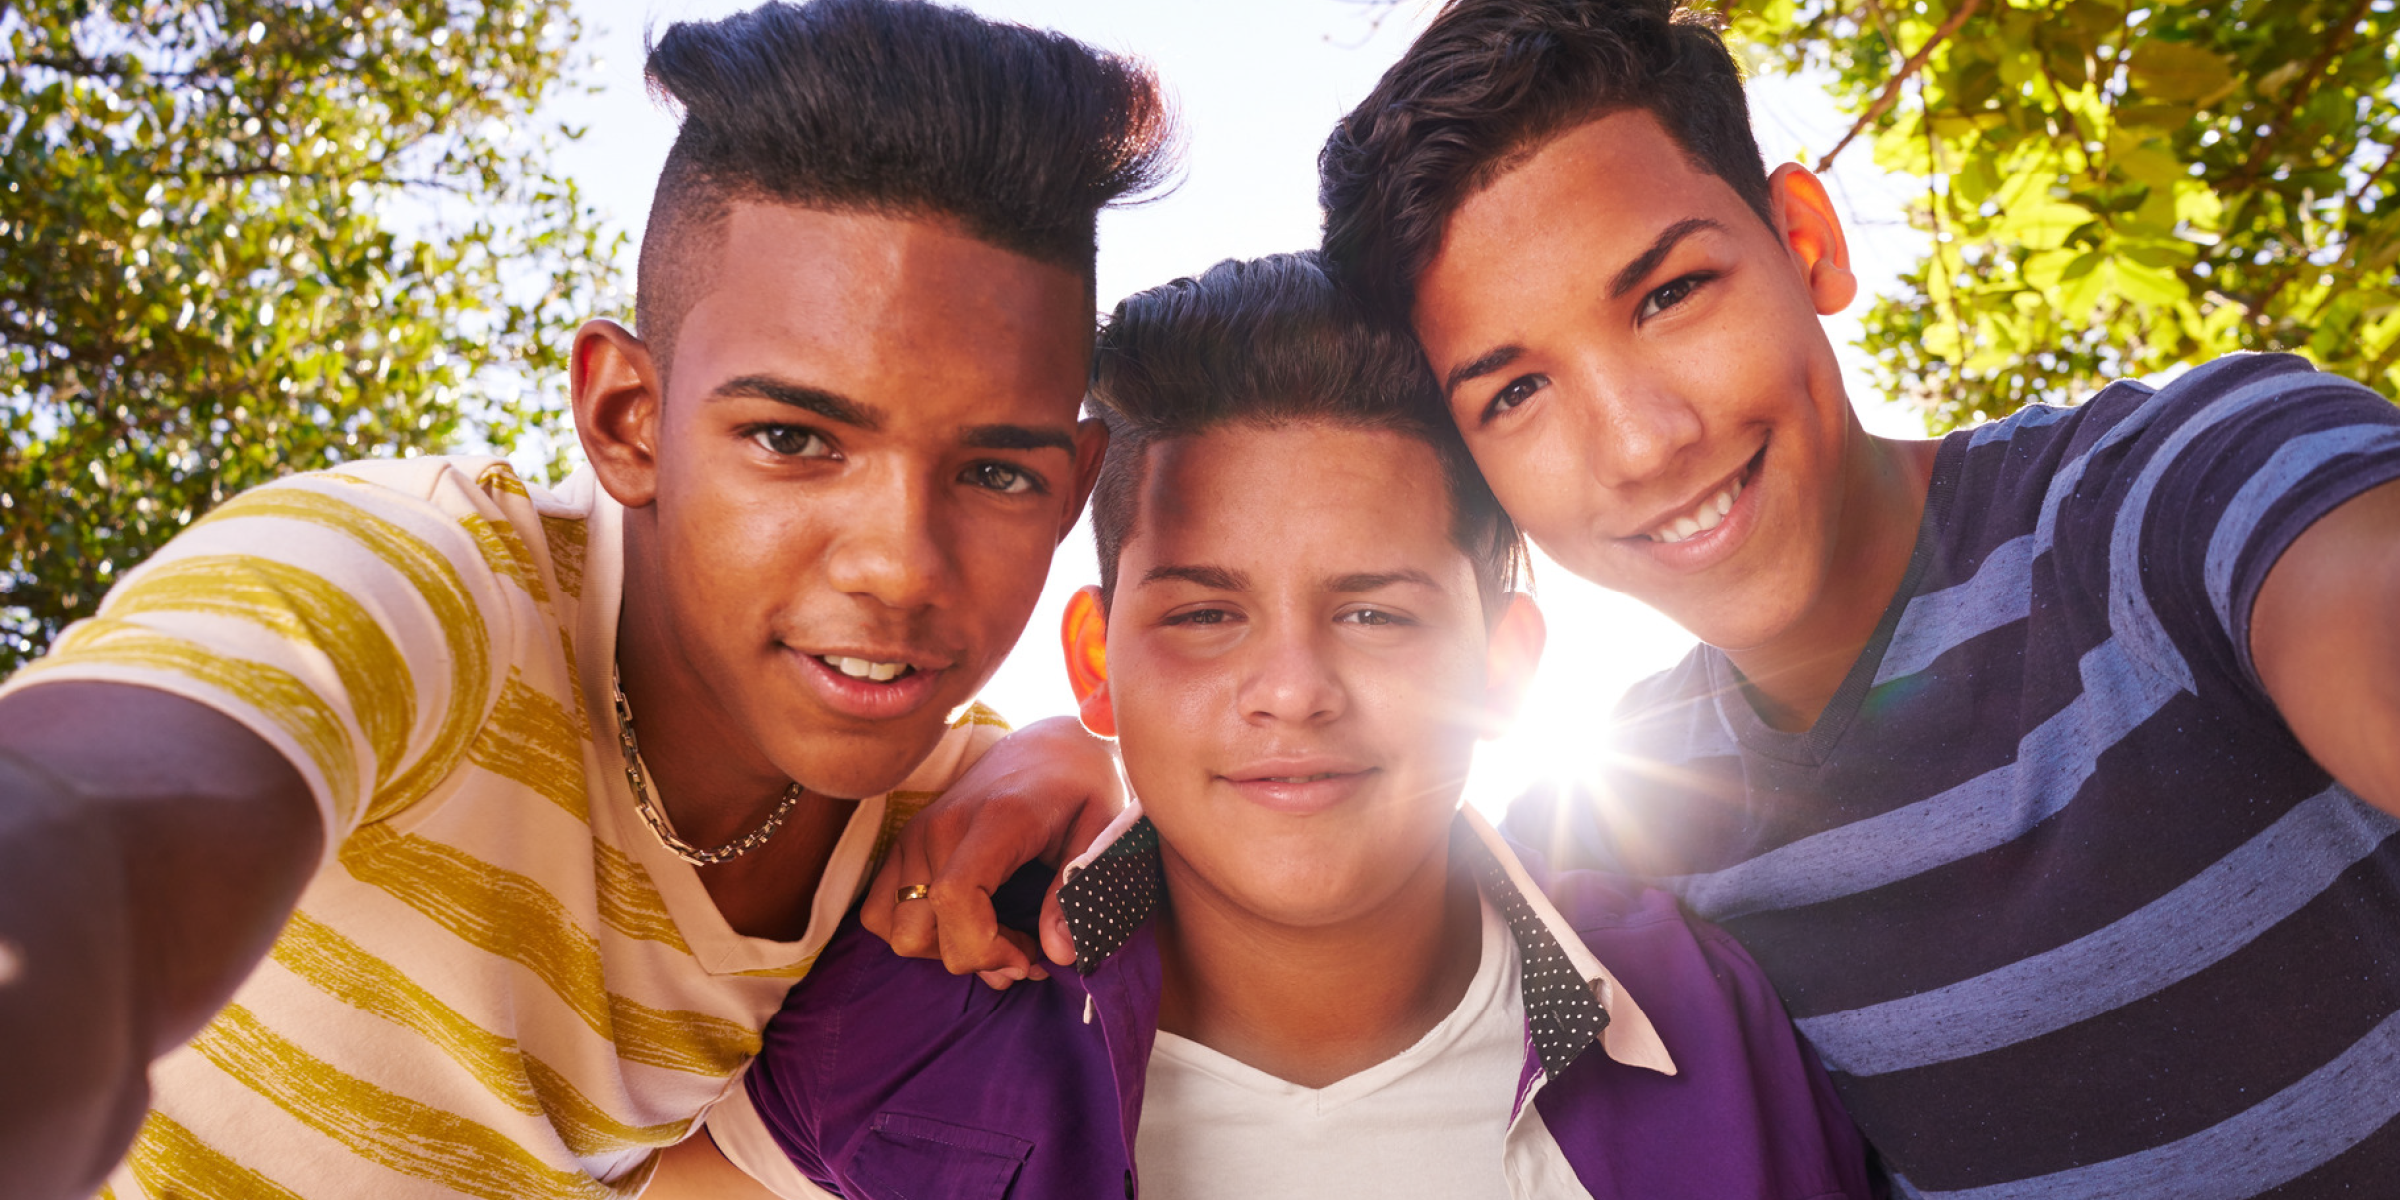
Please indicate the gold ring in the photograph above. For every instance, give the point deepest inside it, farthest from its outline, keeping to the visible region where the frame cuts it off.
(914, 891)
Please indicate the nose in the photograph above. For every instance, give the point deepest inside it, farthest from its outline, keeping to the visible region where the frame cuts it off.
(891, 544)
(1290, 677)
(1635, 426)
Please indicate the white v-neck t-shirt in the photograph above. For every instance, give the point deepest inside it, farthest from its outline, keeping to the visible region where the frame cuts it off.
(1429, 1122)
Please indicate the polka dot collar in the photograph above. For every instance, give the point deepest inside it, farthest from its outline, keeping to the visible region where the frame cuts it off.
(1111, 892)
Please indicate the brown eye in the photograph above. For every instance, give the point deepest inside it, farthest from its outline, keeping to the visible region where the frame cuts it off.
(1518, 391)
(1671, 293)
(791, 441)
(1001, 477)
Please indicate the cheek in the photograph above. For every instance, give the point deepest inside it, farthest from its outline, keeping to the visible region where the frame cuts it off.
(1531, 472)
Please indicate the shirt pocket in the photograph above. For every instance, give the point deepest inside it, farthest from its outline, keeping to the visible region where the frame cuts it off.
(918, 1158)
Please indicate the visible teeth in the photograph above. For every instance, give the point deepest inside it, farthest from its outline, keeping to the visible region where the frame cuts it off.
(1298, 778)
(859, 668)
(1708, 515)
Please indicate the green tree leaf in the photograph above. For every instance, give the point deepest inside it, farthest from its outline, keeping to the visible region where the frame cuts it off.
(2125, 188)
(250, 237)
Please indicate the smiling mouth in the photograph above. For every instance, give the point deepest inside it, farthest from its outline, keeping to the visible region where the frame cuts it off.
(1709, 512)
(859, 668)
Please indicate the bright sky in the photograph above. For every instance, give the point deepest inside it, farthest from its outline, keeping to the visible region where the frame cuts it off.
(1258, 83)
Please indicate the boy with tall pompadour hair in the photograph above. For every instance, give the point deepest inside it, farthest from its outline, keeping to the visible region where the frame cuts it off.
(405, 830)
(1303, 969)
(2048, 768)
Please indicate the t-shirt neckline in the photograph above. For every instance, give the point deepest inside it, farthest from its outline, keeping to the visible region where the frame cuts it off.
(1811, 746)
(1492, 991)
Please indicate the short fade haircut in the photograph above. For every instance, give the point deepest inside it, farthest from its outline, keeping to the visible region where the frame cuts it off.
(1484, 88)
(1270, 342)
(898, 108)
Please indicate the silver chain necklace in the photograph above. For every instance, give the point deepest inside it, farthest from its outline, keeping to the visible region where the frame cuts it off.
(695, 855)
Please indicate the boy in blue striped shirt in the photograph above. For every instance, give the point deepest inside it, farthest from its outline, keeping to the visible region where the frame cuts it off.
(2047, 768)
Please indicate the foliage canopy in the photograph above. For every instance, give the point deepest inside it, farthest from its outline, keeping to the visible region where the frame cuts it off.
(2115, 187)
(248, 237)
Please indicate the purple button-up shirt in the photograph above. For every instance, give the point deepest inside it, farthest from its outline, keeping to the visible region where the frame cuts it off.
(890, 1078)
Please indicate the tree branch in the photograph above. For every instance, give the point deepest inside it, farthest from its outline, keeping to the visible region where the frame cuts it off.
(1891, 88)
(2304, 86)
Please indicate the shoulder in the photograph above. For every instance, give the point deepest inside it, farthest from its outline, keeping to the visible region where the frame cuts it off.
(1672, 716)
(1749, 1110)
(867, 1027)
(971, 732)
(891, 1075)
(1683, 970)
(2235, 407)
(434, 525)
(1644, 935)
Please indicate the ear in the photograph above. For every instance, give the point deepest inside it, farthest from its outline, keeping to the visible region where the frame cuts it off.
(1510, 656)
(1813, 231)
(617, 397)
(1084, 635)
(1091, 448)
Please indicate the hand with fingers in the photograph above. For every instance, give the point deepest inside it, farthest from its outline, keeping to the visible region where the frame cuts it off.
(1041, 794)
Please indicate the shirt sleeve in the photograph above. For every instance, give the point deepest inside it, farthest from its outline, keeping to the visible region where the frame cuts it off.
(2187, 501)
(361, 629)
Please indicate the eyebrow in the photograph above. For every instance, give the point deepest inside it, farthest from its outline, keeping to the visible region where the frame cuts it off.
(832, 407)
(1479, 366)
(842, 409)
(1370, 581)
(1625, 280)
(1017, 437)
(1223, 580)
(1639, 269)
(1217, 578)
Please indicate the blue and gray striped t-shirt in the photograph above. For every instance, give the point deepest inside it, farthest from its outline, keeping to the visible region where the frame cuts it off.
(2063, 905)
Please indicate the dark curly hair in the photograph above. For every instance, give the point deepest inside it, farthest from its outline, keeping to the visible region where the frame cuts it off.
(896, 107)
(1271, 341)
(1486, 86)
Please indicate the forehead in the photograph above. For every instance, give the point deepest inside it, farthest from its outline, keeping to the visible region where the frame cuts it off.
(891, 310)
(1302, 500)
(1591, 198)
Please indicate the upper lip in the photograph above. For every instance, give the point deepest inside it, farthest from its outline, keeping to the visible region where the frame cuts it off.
(1690, 501)
(1294, 766)
(902, 655)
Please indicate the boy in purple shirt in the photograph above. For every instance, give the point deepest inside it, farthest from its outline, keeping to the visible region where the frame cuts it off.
(1304, 970)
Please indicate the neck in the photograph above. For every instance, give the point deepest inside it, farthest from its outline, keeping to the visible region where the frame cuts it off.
(1317, 1004)
(1791, 677)
(712, 784)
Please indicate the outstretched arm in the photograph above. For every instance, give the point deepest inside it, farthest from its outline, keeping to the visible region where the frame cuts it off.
(150, 850)
(2325, 635)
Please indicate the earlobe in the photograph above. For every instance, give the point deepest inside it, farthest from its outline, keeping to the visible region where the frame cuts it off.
(617, 407)
(1813, 232)
(1084, 637)
(1512, 653)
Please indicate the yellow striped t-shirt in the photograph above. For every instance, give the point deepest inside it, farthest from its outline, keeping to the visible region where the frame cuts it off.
(498, 983)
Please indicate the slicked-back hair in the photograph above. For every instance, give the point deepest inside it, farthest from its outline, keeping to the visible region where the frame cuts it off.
(1272, 342)
(1485, 87)
(898, 108)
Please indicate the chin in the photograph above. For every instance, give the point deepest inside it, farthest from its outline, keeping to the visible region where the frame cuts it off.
(856, 766)
(1305, 896)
